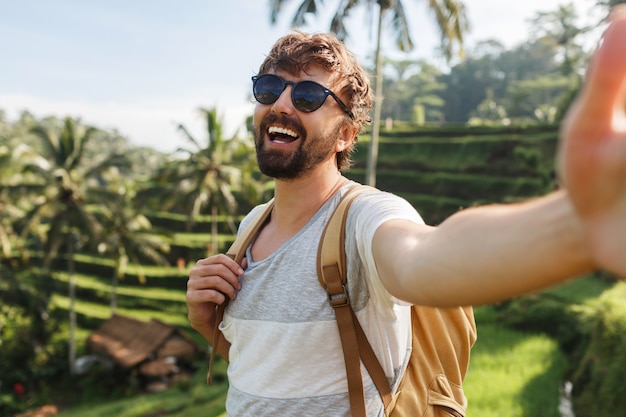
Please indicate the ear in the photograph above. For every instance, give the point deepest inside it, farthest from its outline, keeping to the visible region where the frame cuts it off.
(346, 138)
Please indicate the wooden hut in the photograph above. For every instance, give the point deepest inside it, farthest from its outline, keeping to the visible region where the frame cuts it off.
(157, 351)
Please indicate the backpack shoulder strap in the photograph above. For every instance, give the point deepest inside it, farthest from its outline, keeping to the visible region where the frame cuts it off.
(332, 274)
(237, 251)
(331, 250)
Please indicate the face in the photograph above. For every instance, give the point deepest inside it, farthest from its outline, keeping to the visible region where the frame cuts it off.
(291, 143)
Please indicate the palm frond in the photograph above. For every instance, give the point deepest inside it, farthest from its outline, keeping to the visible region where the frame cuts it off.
(400, 26)
(452, 23)
(48, 139)
(188, 136)
(306, 7)
(337, 25)
(275, 7)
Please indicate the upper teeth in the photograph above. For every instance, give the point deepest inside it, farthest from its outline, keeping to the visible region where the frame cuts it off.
(282, 131)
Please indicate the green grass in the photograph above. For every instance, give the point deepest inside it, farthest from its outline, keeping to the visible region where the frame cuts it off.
(93, 283)
(103, 312)
(514, 374)
(199, 240)
(154, 271)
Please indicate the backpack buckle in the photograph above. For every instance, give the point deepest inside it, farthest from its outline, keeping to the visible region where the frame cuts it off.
(339, 299)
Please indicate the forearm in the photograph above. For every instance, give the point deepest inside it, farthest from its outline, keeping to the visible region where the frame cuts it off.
(483, 255)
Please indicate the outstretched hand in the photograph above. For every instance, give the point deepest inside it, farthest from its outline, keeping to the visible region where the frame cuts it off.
(592, 155)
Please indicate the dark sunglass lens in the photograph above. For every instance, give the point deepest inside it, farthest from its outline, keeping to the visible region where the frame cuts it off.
(308, 96)
(267, 89)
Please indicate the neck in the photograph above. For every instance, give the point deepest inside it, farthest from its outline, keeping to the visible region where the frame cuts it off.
(296, 201)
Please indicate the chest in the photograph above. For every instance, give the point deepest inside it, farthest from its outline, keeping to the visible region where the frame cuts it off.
(284, 286)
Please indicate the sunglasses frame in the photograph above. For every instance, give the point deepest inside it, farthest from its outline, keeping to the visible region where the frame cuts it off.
(327, 92)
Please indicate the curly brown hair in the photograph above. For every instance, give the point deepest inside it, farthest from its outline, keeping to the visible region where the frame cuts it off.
(296, 52)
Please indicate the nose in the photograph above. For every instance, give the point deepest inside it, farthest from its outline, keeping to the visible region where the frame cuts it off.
(284, 104)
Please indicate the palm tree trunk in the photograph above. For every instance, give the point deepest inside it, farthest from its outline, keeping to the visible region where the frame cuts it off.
(72, 307)
(114, 289)
(214, 229)
(372, 156)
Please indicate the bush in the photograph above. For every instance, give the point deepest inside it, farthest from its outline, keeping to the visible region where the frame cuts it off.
(25, 332)
(599, 377)
(545, 313)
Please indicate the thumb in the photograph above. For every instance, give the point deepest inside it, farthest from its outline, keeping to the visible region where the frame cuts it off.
(598, 112)
(603, 93)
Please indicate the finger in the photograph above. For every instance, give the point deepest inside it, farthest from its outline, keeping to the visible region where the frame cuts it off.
(214, 282)
(221, 259)
(219, 272)
(604, 90)
(204, 296)
(212, 288)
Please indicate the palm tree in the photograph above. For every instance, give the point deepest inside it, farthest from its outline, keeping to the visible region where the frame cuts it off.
(451, 21)
(559, 29)
(11, 194)
(65, 194)
(12, 154)
(6, 220)
(129, 237)
(208, 176)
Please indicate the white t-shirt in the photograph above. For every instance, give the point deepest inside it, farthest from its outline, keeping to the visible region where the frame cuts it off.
(285, 356)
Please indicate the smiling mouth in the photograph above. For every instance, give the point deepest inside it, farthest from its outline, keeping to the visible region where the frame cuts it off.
(279, 134)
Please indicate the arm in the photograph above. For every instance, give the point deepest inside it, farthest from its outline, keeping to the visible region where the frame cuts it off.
(495, 252)
(483, 254)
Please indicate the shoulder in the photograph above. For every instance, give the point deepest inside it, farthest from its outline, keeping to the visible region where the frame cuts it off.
(370, 210)
(374, 207)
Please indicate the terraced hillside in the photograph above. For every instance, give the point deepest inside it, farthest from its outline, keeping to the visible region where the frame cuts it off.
(441, 170)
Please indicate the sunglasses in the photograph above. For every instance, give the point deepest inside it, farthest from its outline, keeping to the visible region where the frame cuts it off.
(307, 96)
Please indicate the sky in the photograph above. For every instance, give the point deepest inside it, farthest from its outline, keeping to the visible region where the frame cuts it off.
(143, 67)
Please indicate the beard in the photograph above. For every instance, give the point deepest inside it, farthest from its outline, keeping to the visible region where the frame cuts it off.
(291, 165)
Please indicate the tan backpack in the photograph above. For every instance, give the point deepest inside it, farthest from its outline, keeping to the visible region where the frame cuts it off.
(432, 385)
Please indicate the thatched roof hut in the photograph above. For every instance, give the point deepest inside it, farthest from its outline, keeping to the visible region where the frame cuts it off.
(153, 347)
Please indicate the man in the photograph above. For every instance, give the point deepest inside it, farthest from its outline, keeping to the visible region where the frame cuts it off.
(313, 98)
